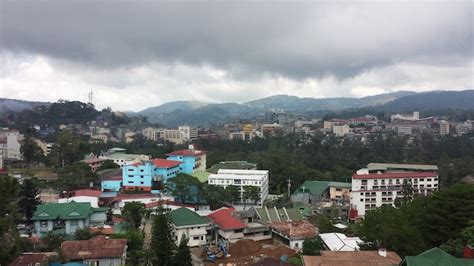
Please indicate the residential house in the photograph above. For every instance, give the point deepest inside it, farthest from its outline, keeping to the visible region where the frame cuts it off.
(67, 217)
(33, 259)
(435, 257)
(188, 223)
(194, 160)
(149, 175)
(96, 251)
(365, 257)
(83, 195)
(94, 162)
(120, 200)
(340, 242)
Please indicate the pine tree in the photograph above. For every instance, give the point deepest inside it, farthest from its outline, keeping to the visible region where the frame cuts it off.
(183, 254)
(29, 199)
(162, 244)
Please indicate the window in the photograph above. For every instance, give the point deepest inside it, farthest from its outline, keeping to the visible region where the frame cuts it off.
(141, 182)
(361, 200)
(196, 238)
(130, 182)
(131, 176)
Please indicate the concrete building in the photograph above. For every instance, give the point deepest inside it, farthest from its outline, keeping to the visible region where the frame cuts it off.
(151, 133)
(123, 159)
(172, 135)
(188, 133)
(241, 178)
(381, 183)
(10, 143)
(66, 218)
(443, 127)
(189, 224)
(341, 131)
(94, 162)
(83, 195)
(313, 191)
(194, 160)
(406, 117)
(96, 251)
(149, 175)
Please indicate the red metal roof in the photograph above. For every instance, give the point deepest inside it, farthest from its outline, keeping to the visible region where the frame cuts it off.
(186, 153)
(94, 160)
(29, 259)
(224, 219)
(87, 193)
(396, 175)
(163, 163)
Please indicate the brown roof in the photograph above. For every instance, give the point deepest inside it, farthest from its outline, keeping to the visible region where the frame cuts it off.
(95, 248)
(300, 229)
(352, 258)
(30, 259)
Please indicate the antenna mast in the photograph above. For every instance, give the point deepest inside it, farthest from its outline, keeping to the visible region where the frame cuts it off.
(91, 97)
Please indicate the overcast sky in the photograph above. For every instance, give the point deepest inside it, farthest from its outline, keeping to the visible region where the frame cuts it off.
(147, 53)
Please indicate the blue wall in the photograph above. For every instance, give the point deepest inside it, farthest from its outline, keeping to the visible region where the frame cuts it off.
(187, 166)
(142, 175)
(111, 185)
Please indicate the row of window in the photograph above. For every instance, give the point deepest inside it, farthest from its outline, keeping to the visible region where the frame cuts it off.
(235, 182)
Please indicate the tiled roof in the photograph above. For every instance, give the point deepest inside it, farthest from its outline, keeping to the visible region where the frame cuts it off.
(163, 163)
(224, 219)
(185, 217)
(436, 257)
(396, 175)
(94, 160)
(186, 153)
(294, 230)
(352, 258)
(65, 211)
(29, 259)
(95, 248)
(87, 193)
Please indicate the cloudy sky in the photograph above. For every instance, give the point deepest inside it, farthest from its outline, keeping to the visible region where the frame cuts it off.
(147, 53)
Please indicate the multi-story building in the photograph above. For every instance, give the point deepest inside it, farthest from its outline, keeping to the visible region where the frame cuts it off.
(341, 131)
(194, 160)
(123, 158)
(443, 127)
(148, 175)
(151, 133)
(188, 133)
(241, 178)
(381, 183)
(10, 143)
(172, 135)
(191, 225)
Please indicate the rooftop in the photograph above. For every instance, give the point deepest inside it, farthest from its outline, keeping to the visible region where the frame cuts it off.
(185, 217)
(396, 175)
(95, 248)
(340, 242)
(232, 165)
(279, 215)
(163, 163)
(166, 202)
(125, 196)
(388, 166)
(436, 257)
(352, 258)
(224, 219)
(124, 156)
(87, 193)
(30, 259)
(295, 230)
(64, 211)
(94, 160)
(186, 153)
(315, 187)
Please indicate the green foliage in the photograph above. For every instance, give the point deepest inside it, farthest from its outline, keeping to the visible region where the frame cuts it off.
(162, 244)
(251, 193)
(313, 246)
(9, 237)
(232, 194)
(108, 164)
(67, 150)
(406, 192)
(29, 199)
(30, 151)
(52, 242)
(133, 212)
(135, 252)
(453, 247)
(323, 223)
(295, 260)
(183, 254)
(83, 234)
(76, 176)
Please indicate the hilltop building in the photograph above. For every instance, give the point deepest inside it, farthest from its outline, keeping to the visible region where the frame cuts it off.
(381, 183)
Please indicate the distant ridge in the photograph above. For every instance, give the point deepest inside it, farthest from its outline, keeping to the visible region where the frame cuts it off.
(13, 105)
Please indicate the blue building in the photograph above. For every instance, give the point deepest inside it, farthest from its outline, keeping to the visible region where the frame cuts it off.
(113, 183)
(149, 175)
(193, 160)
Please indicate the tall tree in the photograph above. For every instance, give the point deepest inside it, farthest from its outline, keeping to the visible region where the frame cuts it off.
(232, 194)
(9, 190)
(183, 254)
(133, 212)
(407, 193)
(76, 176)
(162, 243)
(29, 149)
(313, 246)
(251, 193)
(108, 164)
(29, 199)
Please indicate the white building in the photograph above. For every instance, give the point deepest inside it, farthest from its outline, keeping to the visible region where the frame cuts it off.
(341, 131)
(406, 117)
(381, 183)
(84, 195)
(241, 178)
(189, 224)
(151, 133)
(10, 143)
(188, 133)
(123, 159)
(443, 127)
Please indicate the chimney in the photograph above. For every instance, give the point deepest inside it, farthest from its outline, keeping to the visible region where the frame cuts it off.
(383, 252)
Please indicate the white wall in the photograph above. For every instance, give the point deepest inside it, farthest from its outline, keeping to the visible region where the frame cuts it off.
(92, 200)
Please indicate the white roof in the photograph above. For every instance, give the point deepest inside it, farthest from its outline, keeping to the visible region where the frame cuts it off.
(340, 242)
(340, 226)
(242, 172)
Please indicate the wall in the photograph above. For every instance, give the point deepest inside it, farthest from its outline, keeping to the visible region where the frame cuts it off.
(191, 232)
(92, 200)
(111, 185)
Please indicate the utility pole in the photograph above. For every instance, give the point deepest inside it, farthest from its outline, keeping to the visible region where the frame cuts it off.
(289, 186)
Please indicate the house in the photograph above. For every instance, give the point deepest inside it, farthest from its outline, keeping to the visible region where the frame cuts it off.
(83, 195)
(194, 160)
(365, 257)
(96, 251)
(111, 183)
(94, 162)
(67, 217)
(123, 158)
(288, 225)
(435, 257)
(149, 175)
(242, 178)
(340, 242)
(313, 191)
(167, 205)
(234, 225)
(120, 200)
(381, 183)
(187, 222)
(33, 259)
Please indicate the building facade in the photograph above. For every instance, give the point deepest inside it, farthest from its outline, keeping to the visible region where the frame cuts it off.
(193, 160)
(380, 184)
(191, 225)
(241, 178)
(148, 175)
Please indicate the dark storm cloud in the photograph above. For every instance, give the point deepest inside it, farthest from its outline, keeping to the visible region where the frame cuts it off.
(298, 40)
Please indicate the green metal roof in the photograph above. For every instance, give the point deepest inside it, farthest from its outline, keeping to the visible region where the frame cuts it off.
(436, 257)
(278, 215)
(64, 211)
(315, 187)
(124, 156)
(186, 217)
(386, 166)
(201, 176)
(340, 184)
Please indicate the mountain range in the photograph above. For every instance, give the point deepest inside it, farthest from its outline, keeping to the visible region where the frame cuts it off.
(200, 113)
